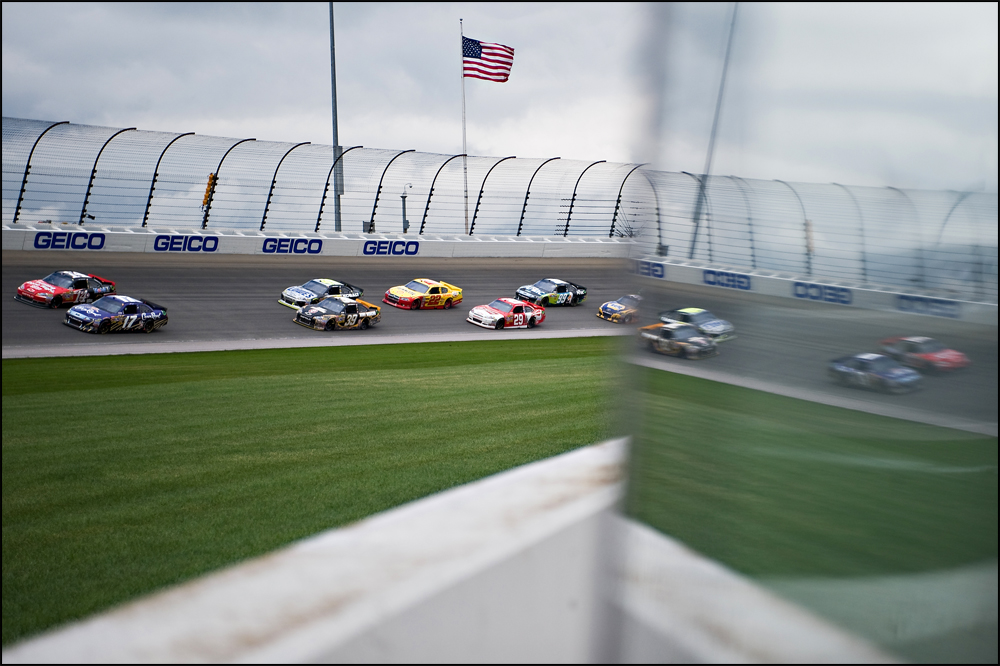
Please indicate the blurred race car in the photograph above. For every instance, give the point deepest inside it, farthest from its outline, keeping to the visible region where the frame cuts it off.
(677, 339)
(506, 313)
(316, 290)
(423, 293)
(874, 371)
(623, 311)
(62, 287)
(925, 354)
(117, 313)
(338, 312)
(719, 330)
(552, 291)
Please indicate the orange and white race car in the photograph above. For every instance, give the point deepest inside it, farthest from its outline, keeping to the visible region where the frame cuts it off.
(507, 313)
(423, 293)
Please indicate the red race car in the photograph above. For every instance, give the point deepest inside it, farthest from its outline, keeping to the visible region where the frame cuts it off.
(64, 287)
(925, 354)
(507, 313)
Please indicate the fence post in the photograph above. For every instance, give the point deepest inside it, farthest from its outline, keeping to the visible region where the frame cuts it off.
(806, 232)
(326, 188)
(527, 192)
(482, 187)
(156, 172)
(274, 180)
(93, 172)
(618, 202)
(378, 193)
(430, 192)
(27, 168)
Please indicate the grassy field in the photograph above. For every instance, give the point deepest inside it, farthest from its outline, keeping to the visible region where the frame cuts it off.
(125, 474)
(775, 486)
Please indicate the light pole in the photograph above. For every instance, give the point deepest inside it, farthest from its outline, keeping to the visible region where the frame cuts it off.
(406, 223)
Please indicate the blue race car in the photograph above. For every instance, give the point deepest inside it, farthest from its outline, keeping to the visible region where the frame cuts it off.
(876, 372)
(117, 313)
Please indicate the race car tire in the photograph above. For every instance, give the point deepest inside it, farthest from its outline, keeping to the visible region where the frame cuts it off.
(104, 327)
(56, 302)
(627, 320)
(415, 305)
(364, 325)
(148, 326)
(690, 353)
(331, 326)
(531, 323)
(499, 325)
(447, 304)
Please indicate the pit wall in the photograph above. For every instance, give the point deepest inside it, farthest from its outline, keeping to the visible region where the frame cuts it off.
(333, 245)
(657, 271)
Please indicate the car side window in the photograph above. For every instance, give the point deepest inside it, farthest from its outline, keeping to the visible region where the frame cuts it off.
(92, 283)
(130, 309)
(145, 309)
(561, 289)
(351, 309)
(334, 291)
(80, 284)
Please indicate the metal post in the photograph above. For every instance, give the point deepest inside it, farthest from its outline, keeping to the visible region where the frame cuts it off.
(861, 225)
(326, 188)
(806, 232)
(573, 200)
(93, 173)
(618, 202)
(465, 148)
(274, 180)
(27, 168)
(215, 183)
(378, 193)
(156, 172)
(430, 193)
(527, 192)
(337, 182)
(472, 227)
(746, 202)
(921, 263)
(661, 250)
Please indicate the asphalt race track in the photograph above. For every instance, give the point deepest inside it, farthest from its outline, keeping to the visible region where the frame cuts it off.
(234, 298)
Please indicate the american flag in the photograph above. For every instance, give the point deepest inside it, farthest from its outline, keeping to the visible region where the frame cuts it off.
(490, 62)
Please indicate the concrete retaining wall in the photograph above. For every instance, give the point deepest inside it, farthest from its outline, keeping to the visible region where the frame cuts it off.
(800, 288)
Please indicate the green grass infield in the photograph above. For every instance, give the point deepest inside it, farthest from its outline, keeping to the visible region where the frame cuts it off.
(780, 487)
(125, 474)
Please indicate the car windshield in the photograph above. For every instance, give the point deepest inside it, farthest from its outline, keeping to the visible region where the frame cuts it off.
(315, 287)
(685, 333)
(418, 287)
(501, 306)
(930, 347)
(64, 281)
(882, 364)
(333, 305)
(112, 305)
(546, 285)
(629, 302)
(702, 317)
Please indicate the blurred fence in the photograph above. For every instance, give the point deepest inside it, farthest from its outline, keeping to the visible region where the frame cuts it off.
(80, 174)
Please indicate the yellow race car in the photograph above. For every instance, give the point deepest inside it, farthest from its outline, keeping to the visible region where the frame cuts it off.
(623, 311)
(423, 293)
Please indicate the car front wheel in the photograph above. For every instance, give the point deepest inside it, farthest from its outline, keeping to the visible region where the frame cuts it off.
(498, 325)
(415, 305)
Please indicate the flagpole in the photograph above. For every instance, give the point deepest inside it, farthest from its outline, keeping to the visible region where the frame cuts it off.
(465, 151)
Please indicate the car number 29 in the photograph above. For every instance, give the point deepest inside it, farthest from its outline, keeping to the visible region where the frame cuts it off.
(519, 320)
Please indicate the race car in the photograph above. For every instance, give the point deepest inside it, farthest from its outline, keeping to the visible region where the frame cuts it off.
(623, 311)
(337, 313)
(706, 322)
(506, 313)
(874, 371)
(117, 313)
(552, 291)
(423, 293)
(62, 287)
(925, 354)
(316, 290)
(677, 339)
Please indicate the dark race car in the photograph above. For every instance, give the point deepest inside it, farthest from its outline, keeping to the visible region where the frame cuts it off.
(337, 313)
(677, 339)
(874, 371)
(552, 291)
(64, 288)
(316, 290)
(117, 313)
(926, 354)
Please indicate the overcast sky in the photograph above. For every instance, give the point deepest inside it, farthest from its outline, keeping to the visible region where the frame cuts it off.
(902, 95)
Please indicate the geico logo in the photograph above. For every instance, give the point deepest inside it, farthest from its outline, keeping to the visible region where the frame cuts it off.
(724, 279)
(391, 247)
(937, 307)
(650, 269)
(186, 243)
(292, 246)
(68, 240)
(822, 292)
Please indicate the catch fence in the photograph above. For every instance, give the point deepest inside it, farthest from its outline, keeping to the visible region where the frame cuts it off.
(64, 173)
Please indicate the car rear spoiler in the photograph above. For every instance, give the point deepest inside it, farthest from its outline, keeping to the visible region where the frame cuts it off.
(451, 286)
(153, 305)
(371, 305)
(578, 286)
(104, 280)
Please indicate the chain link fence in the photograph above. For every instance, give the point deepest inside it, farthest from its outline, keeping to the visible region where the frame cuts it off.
(931, 241)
